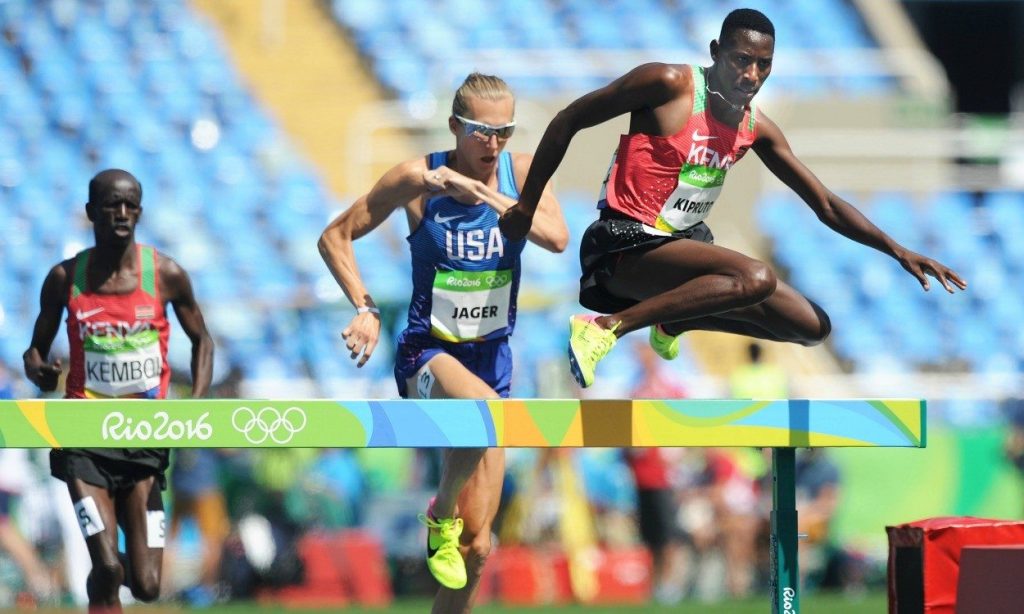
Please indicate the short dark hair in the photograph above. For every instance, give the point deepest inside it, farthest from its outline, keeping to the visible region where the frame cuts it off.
(745, 19)
(103, 179)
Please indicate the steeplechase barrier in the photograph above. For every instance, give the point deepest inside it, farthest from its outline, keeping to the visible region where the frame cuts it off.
(782, 425)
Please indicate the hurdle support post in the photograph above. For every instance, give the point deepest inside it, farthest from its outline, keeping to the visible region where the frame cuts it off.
(785, 570)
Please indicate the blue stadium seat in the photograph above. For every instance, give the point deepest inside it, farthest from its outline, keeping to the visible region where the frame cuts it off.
(894, 213)
(583, 24)
(361, 14)
(885, 308)
(121, 84)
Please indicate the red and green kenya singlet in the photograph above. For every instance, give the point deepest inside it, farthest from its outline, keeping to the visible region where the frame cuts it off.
(118, 341)
(671, 182)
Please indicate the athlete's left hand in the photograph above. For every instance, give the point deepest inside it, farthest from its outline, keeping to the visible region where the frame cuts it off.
(921, 267)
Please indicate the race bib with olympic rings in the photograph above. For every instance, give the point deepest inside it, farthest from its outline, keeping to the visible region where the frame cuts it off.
(469, 305)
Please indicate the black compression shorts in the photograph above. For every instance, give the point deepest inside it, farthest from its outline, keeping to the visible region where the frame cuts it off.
(603, 244)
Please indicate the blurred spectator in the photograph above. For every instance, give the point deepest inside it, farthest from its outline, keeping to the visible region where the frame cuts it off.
(197, 496)
(656, 517)
(656, 504)
(823, 562)
(758, 379)
(655, 381)
(739, 474)
(735, 477)
(261, 550)
(14, 470)
(817, 491)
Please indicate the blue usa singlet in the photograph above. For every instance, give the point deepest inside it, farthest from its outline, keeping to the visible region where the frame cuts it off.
(465, 273)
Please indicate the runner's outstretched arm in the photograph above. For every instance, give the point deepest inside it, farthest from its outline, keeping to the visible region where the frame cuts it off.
(647, 86)
(178, 288)
(773, 149)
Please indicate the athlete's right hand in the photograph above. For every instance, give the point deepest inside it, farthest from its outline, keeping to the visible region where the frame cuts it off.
(435, 180)
(515, 223)
(361, 336)
(450, 182)
(43, 375)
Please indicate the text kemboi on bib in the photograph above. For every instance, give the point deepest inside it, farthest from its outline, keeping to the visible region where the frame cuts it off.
(121, 359)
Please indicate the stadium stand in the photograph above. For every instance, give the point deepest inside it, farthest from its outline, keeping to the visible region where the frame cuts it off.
(148, 87)
(574, 46)
(971, 232)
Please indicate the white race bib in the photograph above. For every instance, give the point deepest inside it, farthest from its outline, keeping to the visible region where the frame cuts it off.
(469, 305)
(123, 373)
(691, 201)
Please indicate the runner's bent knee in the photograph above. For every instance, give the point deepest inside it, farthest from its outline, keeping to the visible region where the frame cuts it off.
(108, 575)
(147, 587)
(755, 281)
(479, 550)
(824, 329)
(826, 326)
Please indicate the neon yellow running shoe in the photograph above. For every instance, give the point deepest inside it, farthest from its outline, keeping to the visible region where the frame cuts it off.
(664, 344)
(588, 344)
(444, 560)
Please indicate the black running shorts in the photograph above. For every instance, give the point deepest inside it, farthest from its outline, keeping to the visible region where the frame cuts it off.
(112, 469)
(602, 246)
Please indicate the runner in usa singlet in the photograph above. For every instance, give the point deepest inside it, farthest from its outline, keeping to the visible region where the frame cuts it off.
(670, 183)
(118, 341)
(465, 272)
(465, 281)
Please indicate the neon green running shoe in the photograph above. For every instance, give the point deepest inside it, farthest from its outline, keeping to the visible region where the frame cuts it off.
(664, 344)
(588, 344)
(444, 560)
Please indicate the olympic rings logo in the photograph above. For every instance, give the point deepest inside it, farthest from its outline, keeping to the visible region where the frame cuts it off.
(258, 426)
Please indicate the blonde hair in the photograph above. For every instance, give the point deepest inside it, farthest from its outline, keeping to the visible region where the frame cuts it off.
(486, 87)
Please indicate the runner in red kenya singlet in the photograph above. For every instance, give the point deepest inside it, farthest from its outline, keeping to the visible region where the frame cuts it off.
(649, 260)
(115, 294)
(118, 341)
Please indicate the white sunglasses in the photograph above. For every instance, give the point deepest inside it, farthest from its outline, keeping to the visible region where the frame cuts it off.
(486, 130)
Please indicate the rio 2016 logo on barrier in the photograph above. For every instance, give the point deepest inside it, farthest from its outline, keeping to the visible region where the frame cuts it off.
(258, 426)
(118, 427)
